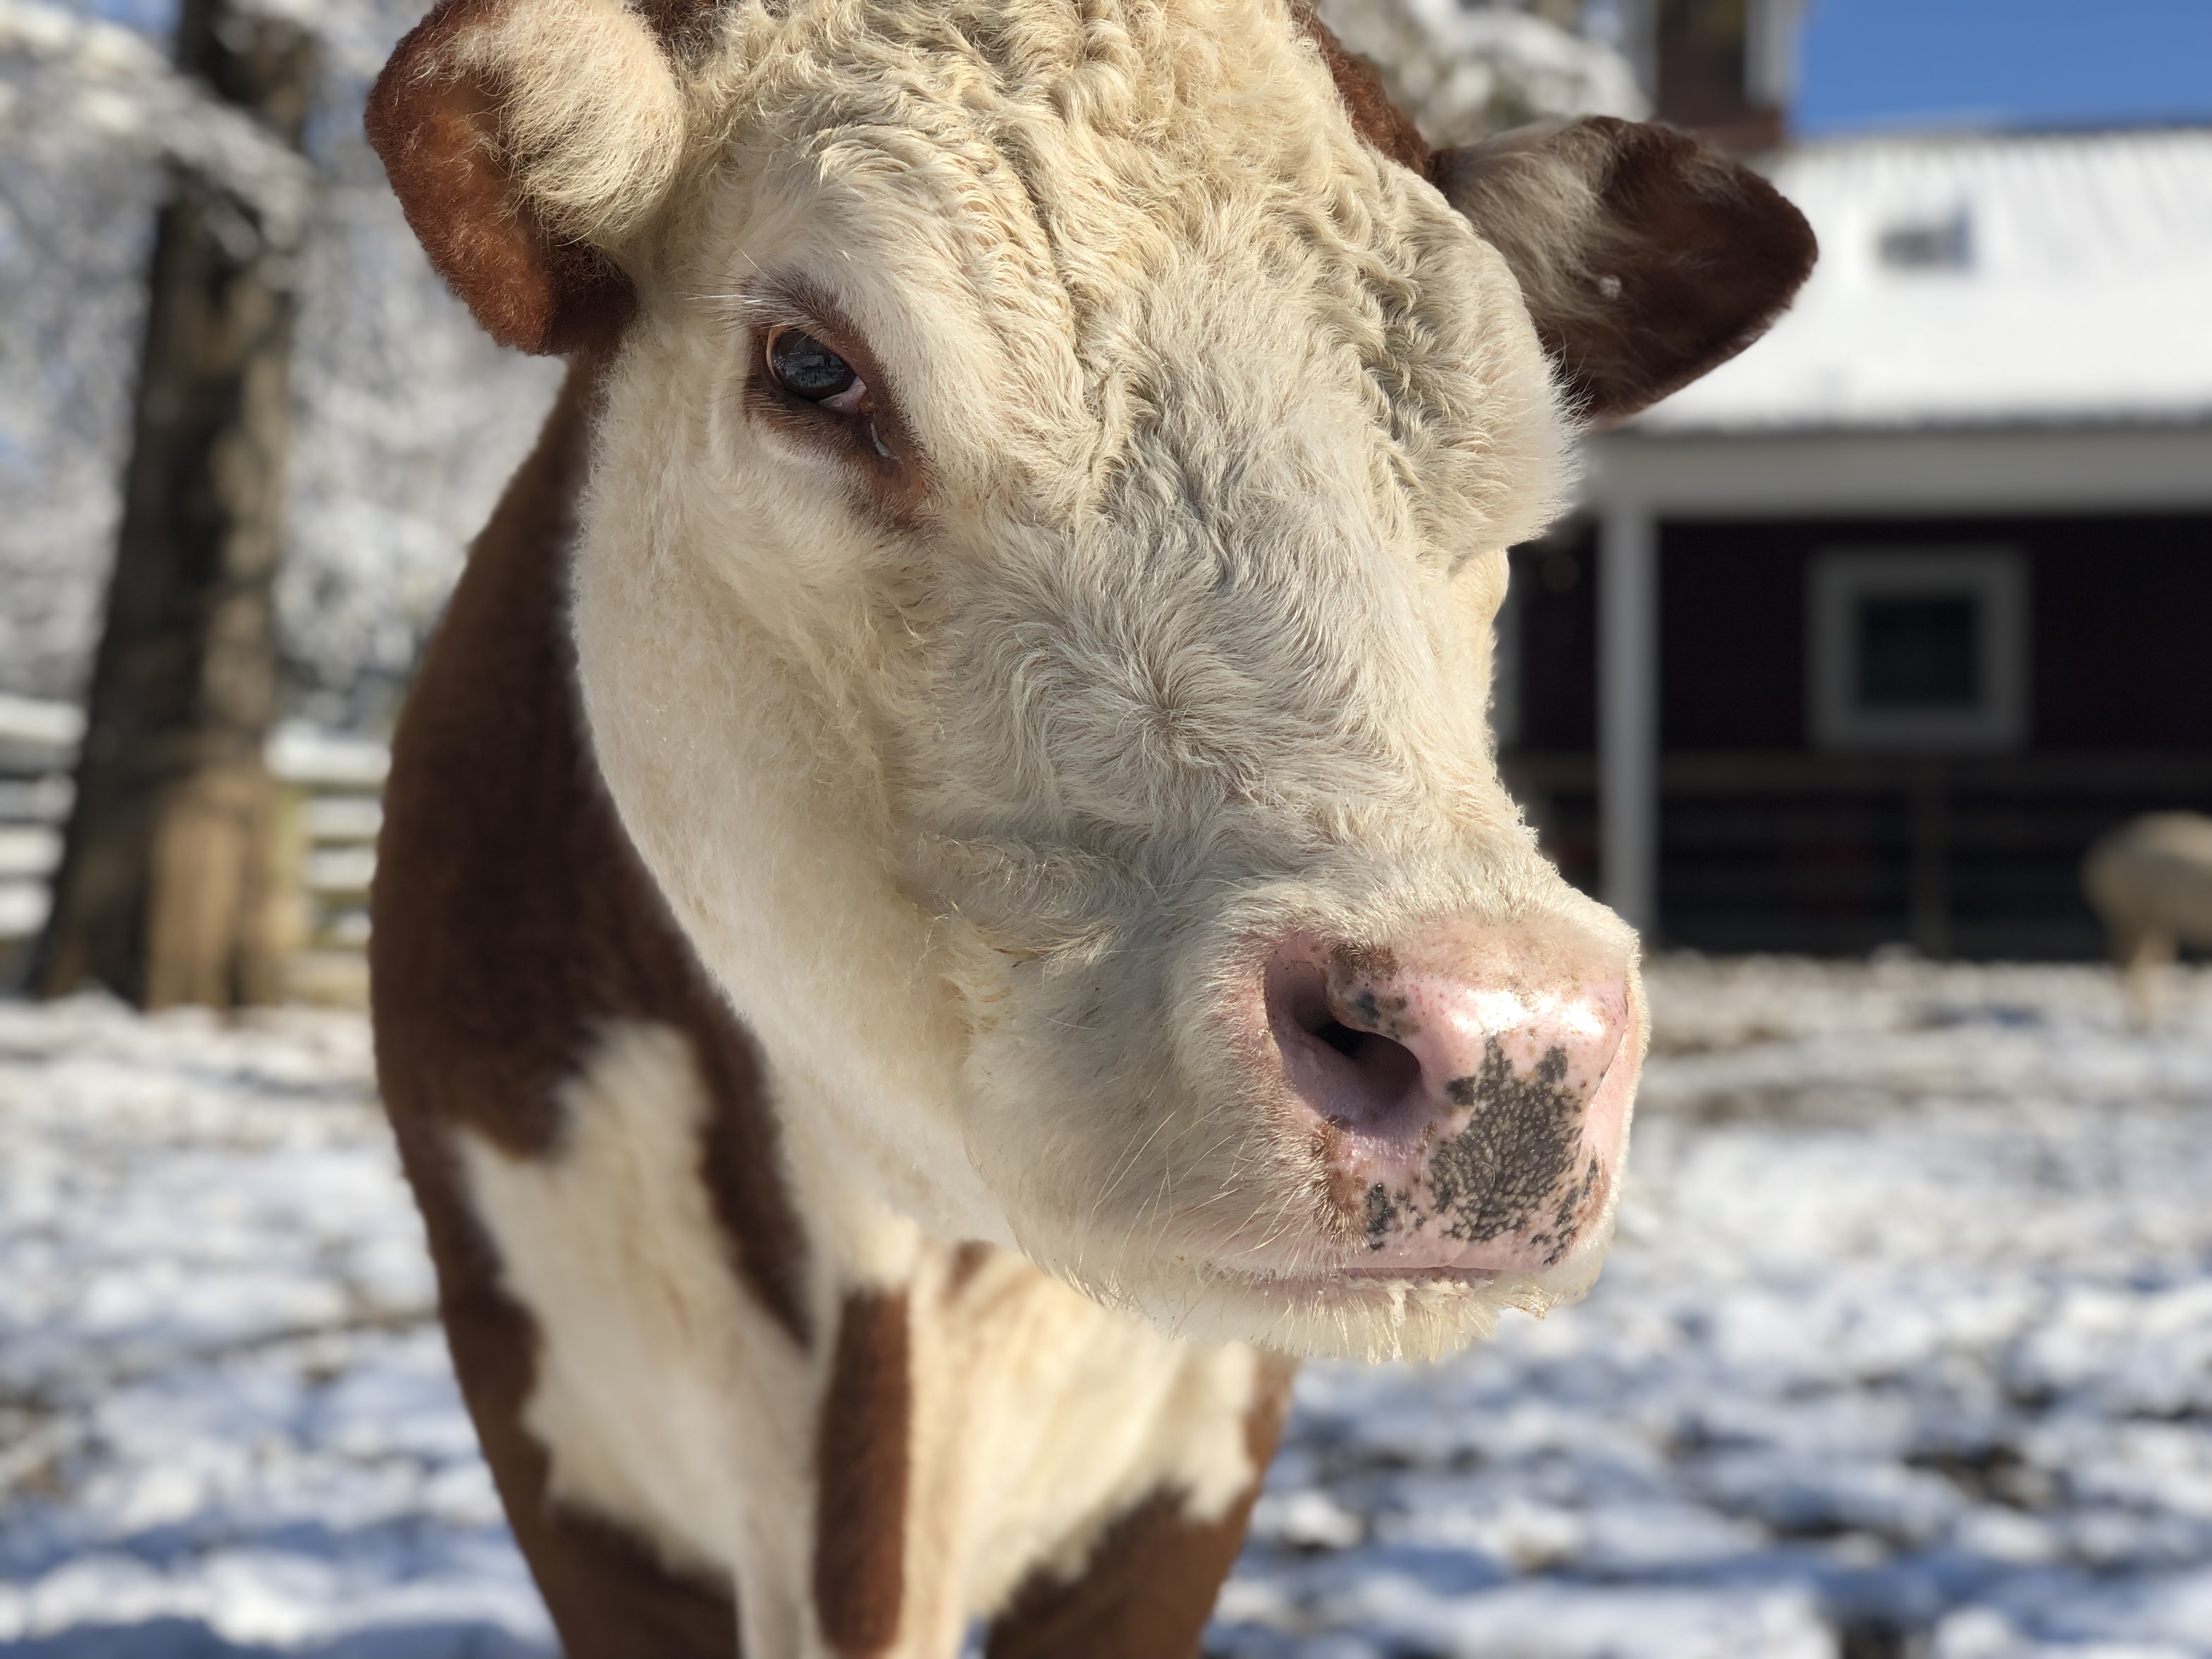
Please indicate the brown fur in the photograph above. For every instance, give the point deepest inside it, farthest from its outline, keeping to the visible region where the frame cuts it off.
(438, 135)
(518, 877)
(1646, 259)
(1706, 253)
(1374, 117)
(511, 922)
(862, 1468)
(682, 25)
(1150, 1585)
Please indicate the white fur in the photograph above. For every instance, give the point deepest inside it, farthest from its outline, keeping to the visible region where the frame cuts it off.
(668, 1400)
(665, 1395)
(974, 814)
(594, 121)
(2150, 882)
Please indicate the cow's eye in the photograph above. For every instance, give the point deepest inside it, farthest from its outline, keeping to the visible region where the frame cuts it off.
(807, 369)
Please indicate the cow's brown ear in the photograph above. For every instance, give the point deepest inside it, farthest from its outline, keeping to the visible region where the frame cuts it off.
(1645, 258)
(526, 140)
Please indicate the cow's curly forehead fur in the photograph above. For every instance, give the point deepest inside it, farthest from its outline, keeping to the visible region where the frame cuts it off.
(1162, 220)
(1218, 405)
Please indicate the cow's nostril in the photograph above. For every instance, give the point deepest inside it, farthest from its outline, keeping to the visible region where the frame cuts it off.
(1342, 1038)
(1358, 1080)
(1387, 1079)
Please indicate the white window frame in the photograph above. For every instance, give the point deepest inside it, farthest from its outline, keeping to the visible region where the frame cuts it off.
(1841, 577)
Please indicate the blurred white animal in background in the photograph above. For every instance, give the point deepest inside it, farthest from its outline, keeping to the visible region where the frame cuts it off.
(2150, 881)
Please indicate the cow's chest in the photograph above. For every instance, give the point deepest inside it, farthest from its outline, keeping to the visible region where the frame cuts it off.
(939, 1440)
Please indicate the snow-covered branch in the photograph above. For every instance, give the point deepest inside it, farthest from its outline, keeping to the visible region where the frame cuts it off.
(1462, 71)
(406, 418)
(116, 86)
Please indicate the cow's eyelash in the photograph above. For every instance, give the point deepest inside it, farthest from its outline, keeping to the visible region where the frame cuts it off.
(871, 441)
(863, 425)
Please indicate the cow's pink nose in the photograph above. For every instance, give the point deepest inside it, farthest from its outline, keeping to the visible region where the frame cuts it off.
(1466, 1116)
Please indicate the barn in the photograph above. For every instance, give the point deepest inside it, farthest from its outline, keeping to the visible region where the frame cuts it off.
(1861, 640)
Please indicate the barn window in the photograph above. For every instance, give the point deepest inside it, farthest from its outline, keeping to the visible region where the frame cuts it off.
(1919, 650)
(1945, 243)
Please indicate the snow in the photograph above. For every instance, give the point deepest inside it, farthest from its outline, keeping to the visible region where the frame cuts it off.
(1984, 279)
(122, 88)
(226, 1420)
(1907, 1342)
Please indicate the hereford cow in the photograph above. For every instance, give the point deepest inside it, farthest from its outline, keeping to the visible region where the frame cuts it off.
(946, 900)
(2150, 883)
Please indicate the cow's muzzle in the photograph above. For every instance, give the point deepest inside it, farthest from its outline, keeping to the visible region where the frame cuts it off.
(1463, 1098)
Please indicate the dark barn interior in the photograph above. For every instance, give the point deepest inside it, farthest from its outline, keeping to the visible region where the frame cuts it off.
(1775, 836)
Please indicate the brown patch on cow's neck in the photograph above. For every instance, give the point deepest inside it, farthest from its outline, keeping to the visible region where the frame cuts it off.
(1149, 1587)
(513, 921)
(864, 1457)
(1374, 117)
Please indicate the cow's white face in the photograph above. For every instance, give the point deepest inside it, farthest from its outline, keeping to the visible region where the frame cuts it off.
(1034, 610)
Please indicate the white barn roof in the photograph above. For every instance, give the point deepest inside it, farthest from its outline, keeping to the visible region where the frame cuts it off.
(1984, 281)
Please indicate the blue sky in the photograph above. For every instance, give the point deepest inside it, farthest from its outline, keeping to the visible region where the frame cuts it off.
(1935, 63)
(2011, 62)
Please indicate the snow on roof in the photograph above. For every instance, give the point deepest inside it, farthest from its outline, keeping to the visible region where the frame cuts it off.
(1986, 280)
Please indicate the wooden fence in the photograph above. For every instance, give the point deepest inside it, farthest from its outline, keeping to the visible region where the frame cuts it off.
(332, 786)
(1977, 857)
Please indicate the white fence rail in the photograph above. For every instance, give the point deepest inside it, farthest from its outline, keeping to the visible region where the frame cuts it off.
(332, 786)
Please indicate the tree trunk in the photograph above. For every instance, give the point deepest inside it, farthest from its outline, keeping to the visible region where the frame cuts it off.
(163, 890)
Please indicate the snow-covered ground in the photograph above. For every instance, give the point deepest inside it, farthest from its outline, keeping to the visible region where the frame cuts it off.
(226, 1419)
(1907, 1349)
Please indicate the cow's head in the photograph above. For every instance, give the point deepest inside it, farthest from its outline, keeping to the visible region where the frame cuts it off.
(1048, 507)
